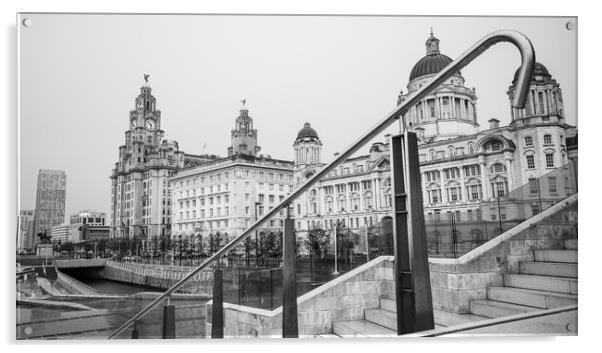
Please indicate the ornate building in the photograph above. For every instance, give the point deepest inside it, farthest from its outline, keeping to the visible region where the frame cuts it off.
(140, 194)
(228, 194)
(463, 169)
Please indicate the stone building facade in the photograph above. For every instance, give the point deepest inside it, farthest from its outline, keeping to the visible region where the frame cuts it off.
(464, 169)
(84, 218)
(227, 195)
(140, 194)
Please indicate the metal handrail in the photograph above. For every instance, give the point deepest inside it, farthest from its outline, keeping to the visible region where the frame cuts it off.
(522, 88)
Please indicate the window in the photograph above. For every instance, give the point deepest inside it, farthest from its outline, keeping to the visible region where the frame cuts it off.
(496, 145)
(367, 185)
(528, 141)
(550, 160)
(547, 139)
(552, 184)
(535, 209)
(433, 155)
(530, 162)
(533, 186)
(498, 168)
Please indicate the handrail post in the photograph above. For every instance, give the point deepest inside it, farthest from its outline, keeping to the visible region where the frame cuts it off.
(135, 332)
(290, 328)
(169, 320)
(412, 280)
(217, 311)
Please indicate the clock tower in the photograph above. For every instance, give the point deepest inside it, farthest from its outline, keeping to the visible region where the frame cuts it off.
(140, 197)
(244, 137)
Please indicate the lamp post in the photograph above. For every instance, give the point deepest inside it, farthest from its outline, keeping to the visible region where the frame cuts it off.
(336, 233)
(257, 203)
(348, 225)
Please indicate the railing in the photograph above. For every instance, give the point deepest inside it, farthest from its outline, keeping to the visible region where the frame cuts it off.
(523, 82)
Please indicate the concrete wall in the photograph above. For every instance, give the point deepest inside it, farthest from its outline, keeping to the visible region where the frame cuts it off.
(455, 282)
(158, 276)
(72, 285)
(344, 298)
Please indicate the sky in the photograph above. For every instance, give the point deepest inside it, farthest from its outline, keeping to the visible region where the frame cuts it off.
(79, 75)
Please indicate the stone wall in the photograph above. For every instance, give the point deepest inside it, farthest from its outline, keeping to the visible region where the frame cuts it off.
(158, 276)
(455, 282)
(344, 298)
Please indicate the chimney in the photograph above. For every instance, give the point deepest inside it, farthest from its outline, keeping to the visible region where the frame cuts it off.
(494, 123)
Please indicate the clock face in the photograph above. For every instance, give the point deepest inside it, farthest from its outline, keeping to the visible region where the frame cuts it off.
(133, 124)
(150, 125)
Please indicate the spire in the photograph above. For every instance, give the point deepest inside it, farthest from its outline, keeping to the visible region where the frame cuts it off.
(432, 44)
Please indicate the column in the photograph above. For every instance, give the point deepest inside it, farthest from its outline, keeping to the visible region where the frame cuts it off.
(452, 105)
(443, 189)
(465, 197)
(510, 173)
(377, 193)
(484, 181)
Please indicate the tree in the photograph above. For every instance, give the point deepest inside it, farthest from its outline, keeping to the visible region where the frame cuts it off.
(316, 242)
(249, 245)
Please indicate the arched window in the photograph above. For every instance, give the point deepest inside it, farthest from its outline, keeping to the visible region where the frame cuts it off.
(433, 155)
(470, 148)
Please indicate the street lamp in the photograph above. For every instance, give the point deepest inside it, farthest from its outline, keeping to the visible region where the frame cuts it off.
(257, 203)
(348, 226)
(336, 232)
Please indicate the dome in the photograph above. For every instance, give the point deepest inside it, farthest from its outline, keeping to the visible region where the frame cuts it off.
(432, 62)
(539, 70)
(307, 131)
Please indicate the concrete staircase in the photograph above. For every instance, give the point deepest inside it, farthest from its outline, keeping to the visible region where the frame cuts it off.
(382, 321)
(550, 281)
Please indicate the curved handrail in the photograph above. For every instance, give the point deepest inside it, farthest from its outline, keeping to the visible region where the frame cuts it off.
(522, 88)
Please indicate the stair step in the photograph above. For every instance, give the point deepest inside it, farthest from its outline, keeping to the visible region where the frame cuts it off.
(360, 328)
(327, 335)
(558, 269)
(570, 244)
(542, 283)
(492, 308)
(529, 297)
(446, 319)
(382, 317)
(388, 305)
(556, 255)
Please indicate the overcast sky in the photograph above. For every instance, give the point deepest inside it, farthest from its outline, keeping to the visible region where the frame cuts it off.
(80, 74)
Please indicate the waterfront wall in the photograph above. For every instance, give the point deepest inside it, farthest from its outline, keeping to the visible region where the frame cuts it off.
(344, 298)
(455, 282)
(158, 276)
(72, 285)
